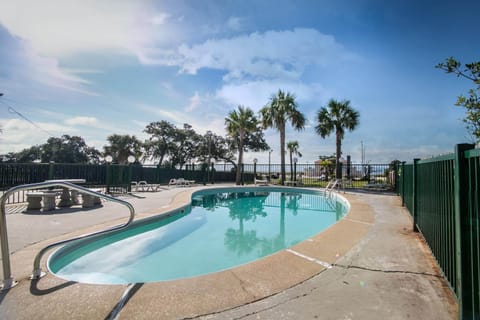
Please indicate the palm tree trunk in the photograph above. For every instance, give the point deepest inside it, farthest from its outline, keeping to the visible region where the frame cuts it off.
(282, 154)
(240, 160)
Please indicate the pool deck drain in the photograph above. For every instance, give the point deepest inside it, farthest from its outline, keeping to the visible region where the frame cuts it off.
(379, 270)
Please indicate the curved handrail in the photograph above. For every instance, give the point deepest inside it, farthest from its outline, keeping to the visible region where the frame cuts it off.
(37, 272)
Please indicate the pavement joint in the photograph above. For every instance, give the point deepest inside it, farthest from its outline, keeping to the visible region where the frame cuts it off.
(298, 254)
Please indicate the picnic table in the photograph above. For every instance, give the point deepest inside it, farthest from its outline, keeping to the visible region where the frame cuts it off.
(67, 199)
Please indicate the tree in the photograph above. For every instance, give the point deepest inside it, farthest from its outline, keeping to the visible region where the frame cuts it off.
(239, 123)
(185, 144)
(28, 155)
(281, 109)
(123, 146)
(292, 147)
(213, 146)
(471, 71)
(66, 149)
(162, 140)
(337, 117)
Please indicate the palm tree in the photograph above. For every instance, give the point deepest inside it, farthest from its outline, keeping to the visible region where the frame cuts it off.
(281, 109)
(337, 117)
(292, 147)
(239, 123)
(122, 146)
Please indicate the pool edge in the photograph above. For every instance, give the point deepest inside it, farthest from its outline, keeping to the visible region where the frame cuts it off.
(214, 292)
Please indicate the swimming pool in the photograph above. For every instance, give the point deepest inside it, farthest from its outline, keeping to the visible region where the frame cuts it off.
(221, 229)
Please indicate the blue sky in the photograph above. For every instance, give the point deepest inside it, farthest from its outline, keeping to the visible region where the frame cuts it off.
(94, 68)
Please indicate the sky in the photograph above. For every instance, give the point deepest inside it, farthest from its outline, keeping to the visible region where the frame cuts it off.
(95, 68)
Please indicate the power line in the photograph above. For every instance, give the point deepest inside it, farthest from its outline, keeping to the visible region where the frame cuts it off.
(14, 111)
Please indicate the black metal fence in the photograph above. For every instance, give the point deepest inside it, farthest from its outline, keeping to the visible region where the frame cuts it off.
(316, 175)
(118, 178)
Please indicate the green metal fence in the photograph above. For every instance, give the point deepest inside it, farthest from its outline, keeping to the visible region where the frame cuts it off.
(442, 194)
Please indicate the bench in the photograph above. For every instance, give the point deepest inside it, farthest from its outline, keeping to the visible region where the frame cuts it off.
(90, 200)
(34, 200)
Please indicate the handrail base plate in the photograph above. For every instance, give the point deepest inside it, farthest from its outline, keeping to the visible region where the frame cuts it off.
(7, 284)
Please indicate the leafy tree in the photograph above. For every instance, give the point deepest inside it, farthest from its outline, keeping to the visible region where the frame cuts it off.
(27, 155)
(162, 140)
(184, 145)
(471, 71)
(122, 146)
(213, 146)
(327, 165)
(292, 147)
(281, 109)
(68, 149)
(337, 117)
(238, 124)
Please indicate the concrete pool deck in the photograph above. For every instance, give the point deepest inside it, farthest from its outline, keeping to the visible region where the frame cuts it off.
(378, 269)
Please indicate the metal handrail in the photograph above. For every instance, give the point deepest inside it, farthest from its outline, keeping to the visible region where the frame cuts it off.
(8, 280)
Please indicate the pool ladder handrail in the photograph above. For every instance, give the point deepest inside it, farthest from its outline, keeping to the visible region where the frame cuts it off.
(8, 281)
(332, 184)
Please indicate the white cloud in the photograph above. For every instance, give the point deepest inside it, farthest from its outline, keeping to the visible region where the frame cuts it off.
(194, 102)
(160, 18)
(256, 94)
(269, 55)
(57, 28)
(19, 134)
(235, 23)
(82, 120)
(24, 66)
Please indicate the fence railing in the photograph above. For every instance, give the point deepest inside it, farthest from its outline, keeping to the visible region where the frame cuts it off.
(316, 175)
(442, 194)
(118, 178)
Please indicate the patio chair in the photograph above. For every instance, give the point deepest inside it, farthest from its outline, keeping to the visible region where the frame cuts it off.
(261, 182)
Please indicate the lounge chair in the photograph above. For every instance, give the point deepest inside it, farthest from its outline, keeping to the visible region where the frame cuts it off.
(145, 187)
(181, 182)
(261, 182)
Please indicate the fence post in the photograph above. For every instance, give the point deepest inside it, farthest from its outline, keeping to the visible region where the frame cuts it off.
(51, 170)
(403, 184)
(415, 193)
(213, 174)
(243, 171)
(462, 228)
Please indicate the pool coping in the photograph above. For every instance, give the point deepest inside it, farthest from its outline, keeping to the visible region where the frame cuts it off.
(191, 297)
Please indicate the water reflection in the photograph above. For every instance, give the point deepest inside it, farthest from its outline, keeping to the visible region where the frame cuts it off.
(248, 206)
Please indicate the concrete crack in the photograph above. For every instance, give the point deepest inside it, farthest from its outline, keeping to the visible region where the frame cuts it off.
(387, 271)
(242, 285)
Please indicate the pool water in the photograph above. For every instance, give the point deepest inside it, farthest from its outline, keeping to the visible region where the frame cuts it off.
(218, 231)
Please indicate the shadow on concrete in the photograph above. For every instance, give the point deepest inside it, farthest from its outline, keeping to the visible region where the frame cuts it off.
(127, 295)
(34, 290)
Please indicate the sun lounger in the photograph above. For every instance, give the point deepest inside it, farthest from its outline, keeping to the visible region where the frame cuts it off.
(181, 182)
(261, 182)
(144, 186)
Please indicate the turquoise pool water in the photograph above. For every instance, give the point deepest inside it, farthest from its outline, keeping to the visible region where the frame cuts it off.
(220, 230)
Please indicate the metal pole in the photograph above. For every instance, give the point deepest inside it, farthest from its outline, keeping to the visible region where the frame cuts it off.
(295, 172)
(463, 228)
(8, 281)
(415, 194)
